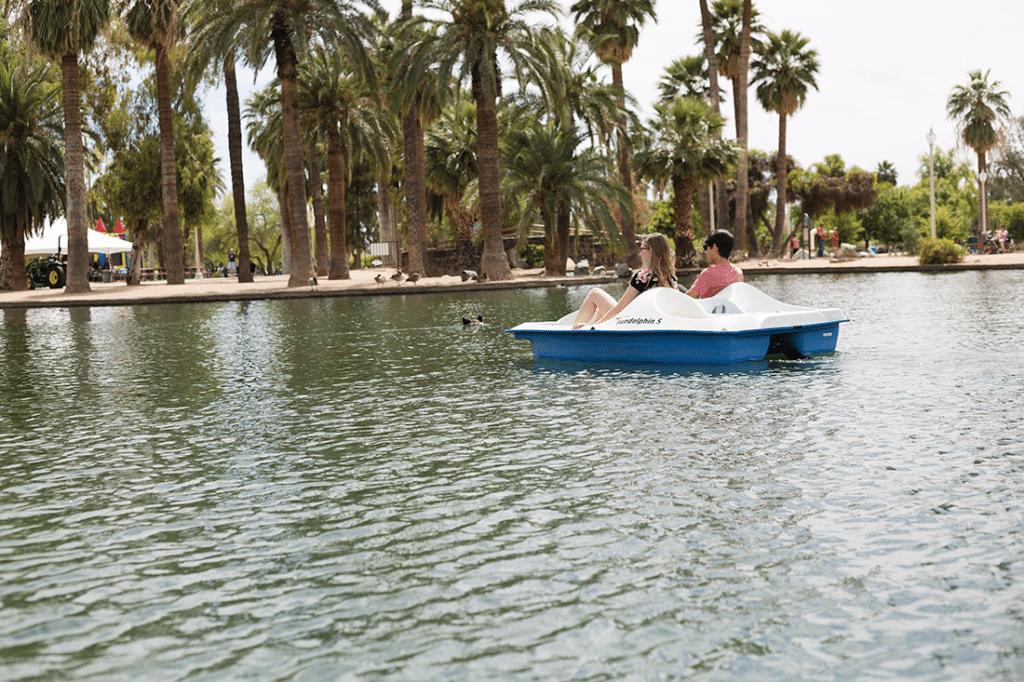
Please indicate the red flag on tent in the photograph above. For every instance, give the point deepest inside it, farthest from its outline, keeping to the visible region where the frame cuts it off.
(119, 228)
(100, 227)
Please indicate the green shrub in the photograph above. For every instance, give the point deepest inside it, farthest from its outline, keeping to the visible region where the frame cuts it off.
(533, 254)
(940, 251)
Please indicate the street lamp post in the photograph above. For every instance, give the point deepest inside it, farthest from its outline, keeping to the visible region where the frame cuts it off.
(931, 175)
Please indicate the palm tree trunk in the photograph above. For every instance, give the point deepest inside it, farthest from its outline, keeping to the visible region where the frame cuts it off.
(288, 75)
(982, 195)
(627, 226)
(286, 223)
(386, 219)
(316, 195)
(563, 223)
(237, 177)
(493, 264)
(74, 160)
(780, 188)
(742, 197)
(682, 203)
(415, 190)
(173, 252)
(336, 207)
(721, 196)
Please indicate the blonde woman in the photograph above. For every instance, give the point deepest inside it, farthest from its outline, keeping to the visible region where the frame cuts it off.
(656, 270)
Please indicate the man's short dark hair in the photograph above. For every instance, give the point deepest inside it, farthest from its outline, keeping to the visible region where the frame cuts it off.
(722, 239)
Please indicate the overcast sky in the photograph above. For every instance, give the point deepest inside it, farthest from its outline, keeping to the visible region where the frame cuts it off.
(887, 68)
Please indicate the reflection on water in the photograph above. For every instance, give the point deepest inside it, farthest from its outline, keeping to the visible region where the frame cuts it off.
(347, 489)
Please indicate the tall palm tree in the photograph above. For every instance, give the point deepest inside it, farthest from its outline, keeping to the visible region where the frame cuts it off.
(686, 150)
(742, 179)
(979, 108)
(466, 45)
(62, 30)
(287, 30)
(204, 51)
(31, 161)
(154, 23)
(714, 95)
(417, 101)
(784, 70)
(550, 177)
(613, 27)
(736, 31)
(264, 135)
(336, 105)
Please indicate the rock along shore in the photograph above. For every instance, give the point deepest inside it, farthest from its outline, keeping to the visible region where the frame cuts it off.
(362, 282)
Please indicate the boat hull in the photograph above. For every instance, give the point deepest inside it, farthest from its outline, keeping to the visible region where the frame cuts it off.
(689, 347)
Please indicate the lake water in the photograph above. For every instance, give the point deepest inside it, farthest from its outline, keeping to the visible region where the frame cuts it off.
(363, 489)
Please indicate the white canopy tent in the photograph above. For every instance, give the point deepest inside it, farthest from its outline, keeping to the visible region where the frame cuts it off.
(57, 232)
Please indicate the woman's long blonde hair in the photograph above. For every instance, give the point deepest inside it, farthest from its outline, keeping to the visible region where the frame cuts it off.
(662, 263)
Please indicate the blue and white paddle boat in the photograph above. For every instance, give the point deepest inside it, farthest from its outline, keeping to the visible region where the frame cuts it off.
(739, 324)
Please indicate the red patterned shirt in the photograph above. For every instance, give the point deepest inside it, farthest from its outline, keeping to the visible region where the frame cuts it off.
(716, 278)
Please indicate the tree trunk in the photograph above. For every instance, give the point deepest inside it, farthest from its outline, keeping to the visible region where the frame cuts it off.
(780, 188)
(415, 190)
(563, 222)
(982, 198)
(173, 252)
(316, 193)
(721, 195)
(627, 226)
(386, 234)
(742, 197)
(287, 73)
(336, 207)
(686, 256)
(494, 263)
(74, 162)
(286, 224)
(12, 261)
(237, 177)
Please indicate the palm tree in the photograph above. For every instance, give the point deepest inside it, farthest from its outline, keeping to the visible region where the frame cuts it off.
(742, 200)
(62, 30)
(31, 161)
(685, 77)
(450, 164)
(285, 29)
(264, 135)
(714, 95)
(979, 107)
(783, 71)
(418, 102)
(549, 177)
(613, 27)
(154, 23)
(736, 31)
(336, 106)
(886, 172)
(686, 150)
(203, 51)
(467, 45)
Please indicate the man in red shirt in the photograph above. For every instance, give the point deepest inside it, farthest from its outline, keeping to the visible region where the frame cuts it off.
(722, 273)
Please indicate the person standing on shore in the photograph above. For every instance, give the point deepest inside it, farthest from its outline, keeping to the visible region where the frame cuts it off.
(722, 273)
(820, 236)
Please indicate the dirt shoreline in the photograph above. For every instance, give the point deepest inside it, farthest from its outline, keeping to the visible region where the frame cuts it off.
(362, 283)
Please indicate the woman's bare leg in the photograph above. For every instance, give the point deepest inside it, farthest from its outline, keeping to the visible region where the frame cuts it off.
(595, 305)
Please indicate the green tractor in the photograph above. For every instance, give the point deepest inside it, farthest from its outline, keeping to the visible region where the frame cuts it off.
(47, 272)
